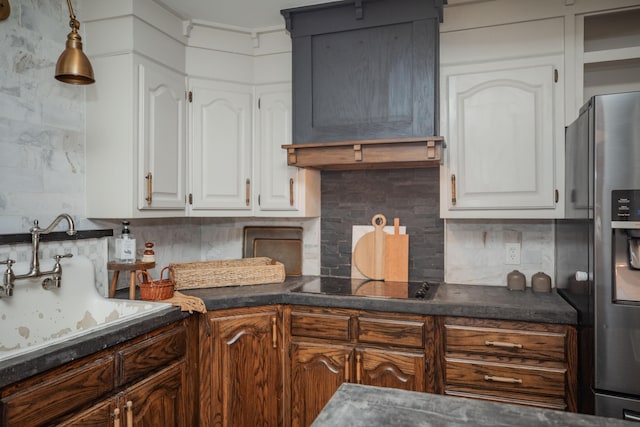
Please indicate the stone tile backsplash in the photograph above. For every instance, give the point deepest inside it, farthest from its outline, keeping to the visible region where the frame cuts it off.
(354, 197)
(475, 250)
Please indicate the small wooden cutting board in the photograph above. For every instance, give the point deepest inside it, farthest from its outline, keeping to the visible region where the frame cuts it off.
(396, 260)
(368, 254)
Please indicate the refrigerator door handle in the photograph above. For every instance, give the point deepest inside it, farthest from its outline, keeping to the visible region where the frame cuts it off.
(630, 415)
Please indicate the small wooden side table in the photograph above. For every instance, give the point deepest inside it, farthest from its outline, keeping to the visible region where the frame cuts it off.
(132, 268)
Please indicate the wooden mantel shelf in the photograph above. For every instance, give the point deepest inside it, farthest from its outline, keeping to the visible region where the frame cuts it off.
(368, 154)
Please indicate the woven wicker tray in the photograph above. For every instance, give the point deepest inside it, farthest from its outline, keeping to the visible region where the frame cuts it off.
(229, 272)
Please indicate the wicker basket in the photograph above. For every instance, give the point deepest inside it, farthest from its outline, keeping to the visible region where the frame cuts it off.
(230, 272)
(155, 290)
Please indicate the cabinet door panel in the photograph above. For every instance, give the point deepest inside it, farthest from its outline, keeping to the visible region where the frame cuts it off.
(159, 400)
(100, 415)
(57, 396)
(317, 370)
(504, 134)
(383, 368)
(221, 146)
(273, 131)
(247, 377)
(501, 135)
(162, 135)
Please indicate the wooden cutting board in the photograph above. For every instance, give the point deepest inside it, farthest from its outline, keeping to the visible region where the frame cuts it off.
(396, 260)
(368, 254)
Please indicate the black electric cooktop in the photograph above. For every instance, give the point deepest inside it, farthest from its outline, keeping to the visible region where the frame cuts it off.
(368, 288)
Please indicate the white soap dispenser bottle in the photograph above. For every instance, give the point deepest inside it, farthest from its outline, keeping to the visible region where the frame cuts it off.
(125, 245)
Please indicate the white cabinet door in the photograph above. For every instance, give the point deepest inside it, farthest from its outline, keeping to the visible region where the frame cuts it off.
(221, 148)
(273, 129)
(281, 190)
(135, 127)
(503, 131)
(162, 138)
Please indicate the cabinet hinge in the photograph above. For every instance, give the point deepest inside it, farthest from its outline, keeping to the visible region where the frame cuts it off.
(190, 96)
(191, 198)
(555, 75)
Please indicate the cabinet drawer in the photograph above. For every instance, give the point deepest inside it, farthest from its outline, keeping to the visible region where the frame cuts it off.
(395, 332)
(510, 343)
(321, 325)
(504, 377)
(58, 395)
(139, 360)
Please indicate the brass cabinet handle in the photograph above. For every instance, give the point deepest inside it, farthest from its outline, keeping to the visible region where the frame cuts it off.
(291, 192)
(358, 368)
(247, 195)
(149, 179)
(274, 332)
(502, 379)
(453, 189)
(347, 360)
(129, 413)
(502, 344)
(116, 417)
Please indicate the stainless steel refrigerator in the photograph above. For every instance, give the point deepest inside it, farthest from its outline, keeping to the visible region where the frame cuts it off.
(598, 251)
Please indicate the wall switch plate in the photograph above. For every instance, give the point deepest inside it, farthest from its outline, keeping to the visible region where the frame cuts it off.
(512, 253)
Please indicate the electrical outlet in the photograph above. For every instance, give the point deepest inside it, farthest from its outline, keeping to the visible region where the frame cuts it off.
(512, 253)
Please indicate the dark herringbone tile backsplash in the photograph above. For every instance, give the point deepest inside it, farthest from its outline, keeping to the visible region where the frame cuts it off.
(353, 197)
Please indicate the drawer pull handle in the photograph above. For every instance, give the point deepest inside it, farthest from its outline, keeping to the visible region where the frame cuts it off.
(502, 344)
(129, 413)
(149, 197)
(347, 362)
(247, 190)
(116, 417)
(274, 332)
(291, 200)
(502, 379)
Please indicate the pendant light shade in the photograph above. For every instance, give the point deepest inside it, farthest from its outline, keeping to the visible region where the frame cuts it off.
(73, 66)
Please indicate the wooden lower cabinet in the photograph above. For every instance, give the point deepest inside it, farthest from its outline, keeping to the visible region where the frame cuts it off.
(332, 346)
(241, 367)
(525, 363)
(156, 401)
(394, 369)
(317, 370)
(144, 382)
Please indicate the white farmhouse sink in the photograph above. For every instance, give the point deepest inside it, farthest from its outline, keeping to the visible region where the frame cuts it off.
(34, 317)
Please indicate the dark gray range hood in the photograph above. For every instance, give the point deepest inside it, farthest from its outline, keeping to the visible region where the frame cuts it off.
(365, 84)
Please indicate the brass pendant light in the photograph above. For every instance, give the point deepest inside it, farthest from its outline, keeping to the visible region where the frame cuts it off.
(73, 66)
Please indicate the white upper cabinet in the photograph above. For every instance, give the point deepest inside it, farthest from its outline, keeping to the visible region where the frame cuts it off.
(238, 165)
(608, 47)
(281, 190)
(162, 137)
(503, 122)
(221, 141)
(135, 114)
(151, 153)
(501, 135)
(136, 134)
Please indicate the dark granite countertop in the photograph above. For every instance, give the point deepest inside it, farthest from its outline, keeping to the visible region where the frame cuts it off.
(355, 405)
(43, 359)
(488, 302)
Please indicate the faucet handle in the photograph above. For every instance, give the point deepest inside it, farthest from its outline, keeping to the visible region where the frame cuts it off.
(59, 257)
(9, 262)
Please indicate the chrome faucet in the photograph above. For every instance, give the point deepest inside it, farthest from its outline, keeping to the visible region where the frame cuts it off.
(10, 277)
